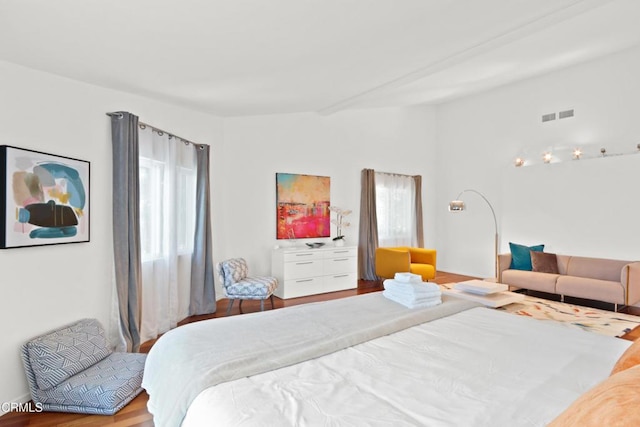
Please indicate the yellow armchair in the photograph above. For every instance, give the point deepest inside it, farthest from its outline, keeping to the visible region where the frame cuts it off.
(390, 261)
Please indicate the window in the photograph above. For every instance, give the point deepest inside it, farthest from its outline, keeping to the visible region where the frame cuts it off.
(151, 218)
(186, 197)
(167, 179)
(396, 210)
(166, 206)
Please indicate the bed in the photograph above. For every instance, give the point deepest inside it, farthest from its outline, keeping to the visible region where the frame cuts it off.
(367, 361)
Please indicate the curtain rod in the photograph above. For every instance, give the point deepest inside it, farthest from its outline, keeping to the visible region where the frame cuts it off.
(143, 125)
(397, 174)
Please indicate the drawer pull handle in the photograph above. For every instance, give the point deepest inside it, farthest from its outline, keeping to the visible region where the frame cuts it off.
(303, 263)
(341, 259)
(304, 280)
(340, 252)
(341, 275)
(304, 254)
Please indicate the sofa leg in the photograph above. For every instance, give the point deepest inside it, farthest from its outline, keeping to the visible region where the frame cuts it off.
(561, 298)
(615, 307)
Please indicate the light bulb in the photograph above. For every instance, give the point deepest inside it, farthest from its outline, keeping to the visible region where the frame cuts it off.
(577, 153)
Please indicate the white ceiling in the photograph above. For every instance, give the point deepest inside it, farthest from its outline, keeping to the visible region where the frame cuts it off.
(246, 57)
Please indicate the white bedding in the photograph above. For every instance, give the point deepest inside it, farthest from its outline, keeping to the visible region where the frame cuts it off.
(479, 367)
(191, 358)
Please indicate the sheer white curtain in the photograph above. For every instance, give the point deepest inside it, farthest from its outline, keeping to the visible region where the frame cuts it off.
(167, 214)
(396, 210)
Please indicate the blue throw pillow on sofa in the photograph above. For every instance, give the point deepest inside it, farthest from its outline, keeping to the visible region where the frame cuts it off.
(521, 256)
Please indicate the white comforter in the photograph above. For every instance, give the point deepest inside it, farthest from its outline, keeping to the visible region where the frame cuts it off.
(480, 367)
(189, 359)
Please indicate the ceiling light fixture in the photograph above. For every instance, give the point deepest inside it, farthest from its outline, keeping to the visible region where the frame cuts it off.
(577, 153)
(547, 157)
(520, 161)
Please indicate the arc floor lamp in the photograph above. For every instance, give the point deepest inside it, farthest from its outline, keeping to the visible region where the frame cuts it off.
(458, 206)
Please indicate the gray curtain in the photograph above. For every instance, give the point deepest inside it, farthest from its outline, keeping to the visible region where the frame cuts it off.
(126, 224)
(203, 293)
(419, 222)
(368, 236)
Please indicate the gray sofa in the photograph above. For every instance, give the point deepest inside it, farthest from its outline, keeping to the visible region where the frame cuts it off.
(612, 281)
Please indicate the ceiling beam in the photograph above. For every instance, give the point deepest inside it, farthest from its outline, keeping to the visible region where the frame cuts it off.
(513, 34)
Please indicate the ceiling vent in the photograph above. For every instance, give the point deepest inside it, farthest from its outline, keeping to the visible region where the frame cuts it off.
(548, 117)
(565, 114)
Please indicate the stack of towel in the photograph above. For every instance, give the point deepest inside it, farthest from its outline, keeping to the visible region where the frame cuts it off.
(409, 290)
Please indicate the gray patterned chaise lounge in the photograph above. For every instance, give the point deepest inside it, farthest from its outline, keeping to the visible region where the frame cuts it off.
(72, 369)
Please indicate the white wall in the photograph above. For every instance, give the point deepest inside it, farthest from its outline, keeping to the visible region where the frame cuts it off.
(470, 143)
(45, 287)
(49, 286)
(585, 207)
(399, 140)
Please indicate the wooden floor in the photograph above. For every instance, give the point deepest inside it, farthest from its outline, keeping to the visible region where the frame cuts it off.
(136, 414)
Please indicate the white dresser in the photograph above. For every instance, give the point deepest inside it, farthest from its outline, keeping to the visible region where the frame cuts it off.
(303, 271)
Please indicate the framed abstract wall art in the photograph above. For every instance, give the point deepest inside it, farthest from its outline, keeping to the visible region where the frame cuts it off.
(44, 198)
(302, 209)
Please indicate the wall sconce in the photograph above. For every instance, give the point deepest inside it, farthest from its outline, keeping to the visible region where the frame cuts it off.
(577, 153)
(603, 151)
(520, 161)
(547, 157)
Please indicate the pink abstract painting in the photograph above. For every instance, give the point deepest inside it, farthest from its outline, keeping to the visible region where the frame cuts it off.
(302, 206)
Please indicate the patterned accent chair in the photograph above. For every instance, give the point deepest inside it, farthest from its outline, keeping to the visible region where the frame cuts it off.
(234, 276)
(72, 369)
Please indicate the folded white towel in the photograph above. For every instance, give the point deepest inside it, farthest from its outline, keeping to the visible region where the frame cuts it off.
(416, 295)
(409, 303)
(408, 277)
(412, 298)
(422, 288)
(413, 295)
